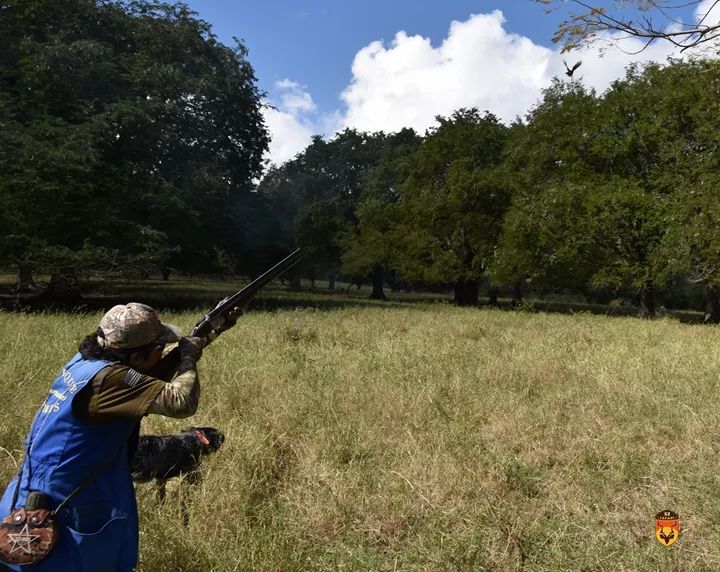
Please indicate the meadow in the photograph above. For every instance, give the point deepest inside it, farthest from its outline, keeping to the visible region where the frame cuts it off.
(422, 436)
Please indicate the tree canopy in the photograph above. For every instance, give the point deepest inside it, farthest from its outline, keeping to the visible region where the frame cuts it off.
(452, 203)
(127, 129)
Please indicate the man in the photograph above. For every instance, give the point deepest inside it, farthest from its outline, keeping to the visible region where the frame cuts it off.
(86, 431)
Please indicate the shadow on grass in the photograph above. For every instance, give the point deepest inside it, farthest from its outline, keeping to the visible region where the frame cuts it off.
(203, 296)
(554, 307)
(203, 302)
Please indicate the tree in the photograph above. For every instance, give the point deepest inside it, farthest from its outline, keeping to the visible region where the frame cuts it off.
(370, 246)
(647, 20)
(694, 237)
(627, 221)
(597, 204)
(549, 159)
(629, 212)
(452, 204)
(314, 196)
(127, 128)
(692, 245)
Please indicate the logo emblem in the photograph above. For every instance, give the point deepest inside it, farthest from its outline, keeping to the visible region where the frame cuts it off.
(23, 540)
(667, 527)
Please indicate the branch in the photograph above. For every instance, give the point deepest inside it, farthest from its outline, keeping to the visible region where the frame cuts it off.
(584, 28)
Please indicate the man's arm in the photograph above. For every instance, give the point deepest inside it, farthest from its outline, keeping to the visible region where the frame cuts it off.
(179, 398)
(120, 391)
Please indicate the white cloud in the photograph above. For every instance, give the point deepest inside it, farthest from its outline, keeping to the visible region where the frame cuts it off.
(294, 98)
(290, 121)
(479, 64)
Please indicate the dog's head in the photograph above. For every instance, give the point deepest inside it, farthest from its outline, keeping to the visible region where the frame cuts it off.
(210, 438)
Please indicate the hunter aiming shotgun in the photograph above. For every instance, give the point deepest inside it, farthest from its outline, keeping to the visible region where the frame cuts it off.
(212, 322)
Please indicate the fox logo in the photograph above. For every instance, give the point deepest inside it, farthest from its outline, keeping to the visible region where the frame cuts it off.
(667, 527)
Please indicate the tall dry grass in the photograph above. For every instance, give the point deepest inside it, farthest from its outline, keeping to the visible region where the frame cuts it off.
(426, 438)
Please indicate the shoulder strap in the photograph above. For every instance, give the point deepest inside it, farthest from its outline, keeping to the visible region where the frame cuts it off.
(100, 376)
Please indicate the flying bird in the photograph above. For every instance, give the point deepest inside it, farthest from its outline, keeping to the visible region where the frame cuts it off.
(571, 70)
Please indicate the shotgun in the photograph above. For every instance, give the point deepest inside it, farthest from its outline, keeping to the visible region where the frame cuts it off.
(211, 324)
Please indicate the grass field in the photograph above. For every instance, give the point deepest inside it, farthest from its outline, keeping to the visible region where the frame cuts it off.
(425, 437)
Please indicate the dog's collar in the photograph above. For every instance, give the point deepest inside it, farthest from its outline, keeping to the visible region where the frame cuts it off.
(202, 437)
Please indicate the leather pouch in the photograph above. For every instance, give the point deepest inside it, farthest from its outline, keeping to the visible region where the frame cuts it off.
(27, 536)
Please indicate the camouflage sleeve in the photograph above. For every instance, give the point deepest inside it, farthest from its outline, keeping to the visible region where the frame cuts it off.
(179, 398)
(116, 391)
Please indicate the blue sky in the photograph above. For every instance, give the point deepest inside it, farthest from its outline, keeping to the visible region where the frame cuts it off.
(383, 65)
(314, 42)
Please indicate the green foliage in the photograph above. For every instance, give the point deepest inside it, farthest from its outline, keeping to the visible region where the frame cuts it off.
(126, 126)
(692, 244)
(611, 194)
(544, 240)
(452, 202)
(372, 242)
(314, 197)
(132, 139)
(598, 199)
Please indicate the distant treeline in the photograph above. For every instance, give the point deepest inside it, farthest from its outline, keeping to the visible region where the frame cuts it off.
(613, 195)
(132, 141)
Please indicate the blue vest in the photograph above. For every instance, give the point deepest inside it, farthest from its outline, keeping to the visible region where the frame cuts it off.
(99, 526)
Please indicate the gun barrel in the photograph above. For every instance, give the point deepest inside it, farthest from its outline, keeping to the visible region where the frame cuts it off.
(244, 295)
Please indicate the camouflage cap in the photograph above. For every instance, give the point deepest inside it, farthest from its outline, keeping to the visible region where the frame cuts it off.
(134, 325)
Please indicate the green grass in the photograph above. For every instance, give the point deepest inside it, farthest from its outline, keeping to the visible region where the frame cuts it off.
(425, 437)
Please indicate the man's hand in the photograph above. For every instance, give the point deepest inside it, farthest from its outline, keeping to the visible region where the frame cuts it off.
(191, 348)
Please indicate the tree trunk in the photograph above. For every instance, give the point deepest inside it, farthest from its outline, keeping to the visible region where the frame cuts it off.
(25, 280)
(331, 281)
(517, 294)
(493, 296)
(165, 274)
(466, 293)
(378, 281)
(295, 283)
(712, 304)
(647, 302)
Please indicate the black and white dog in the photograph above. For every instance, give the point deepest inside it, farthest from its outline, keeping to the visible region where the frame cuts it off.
(163, 457)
